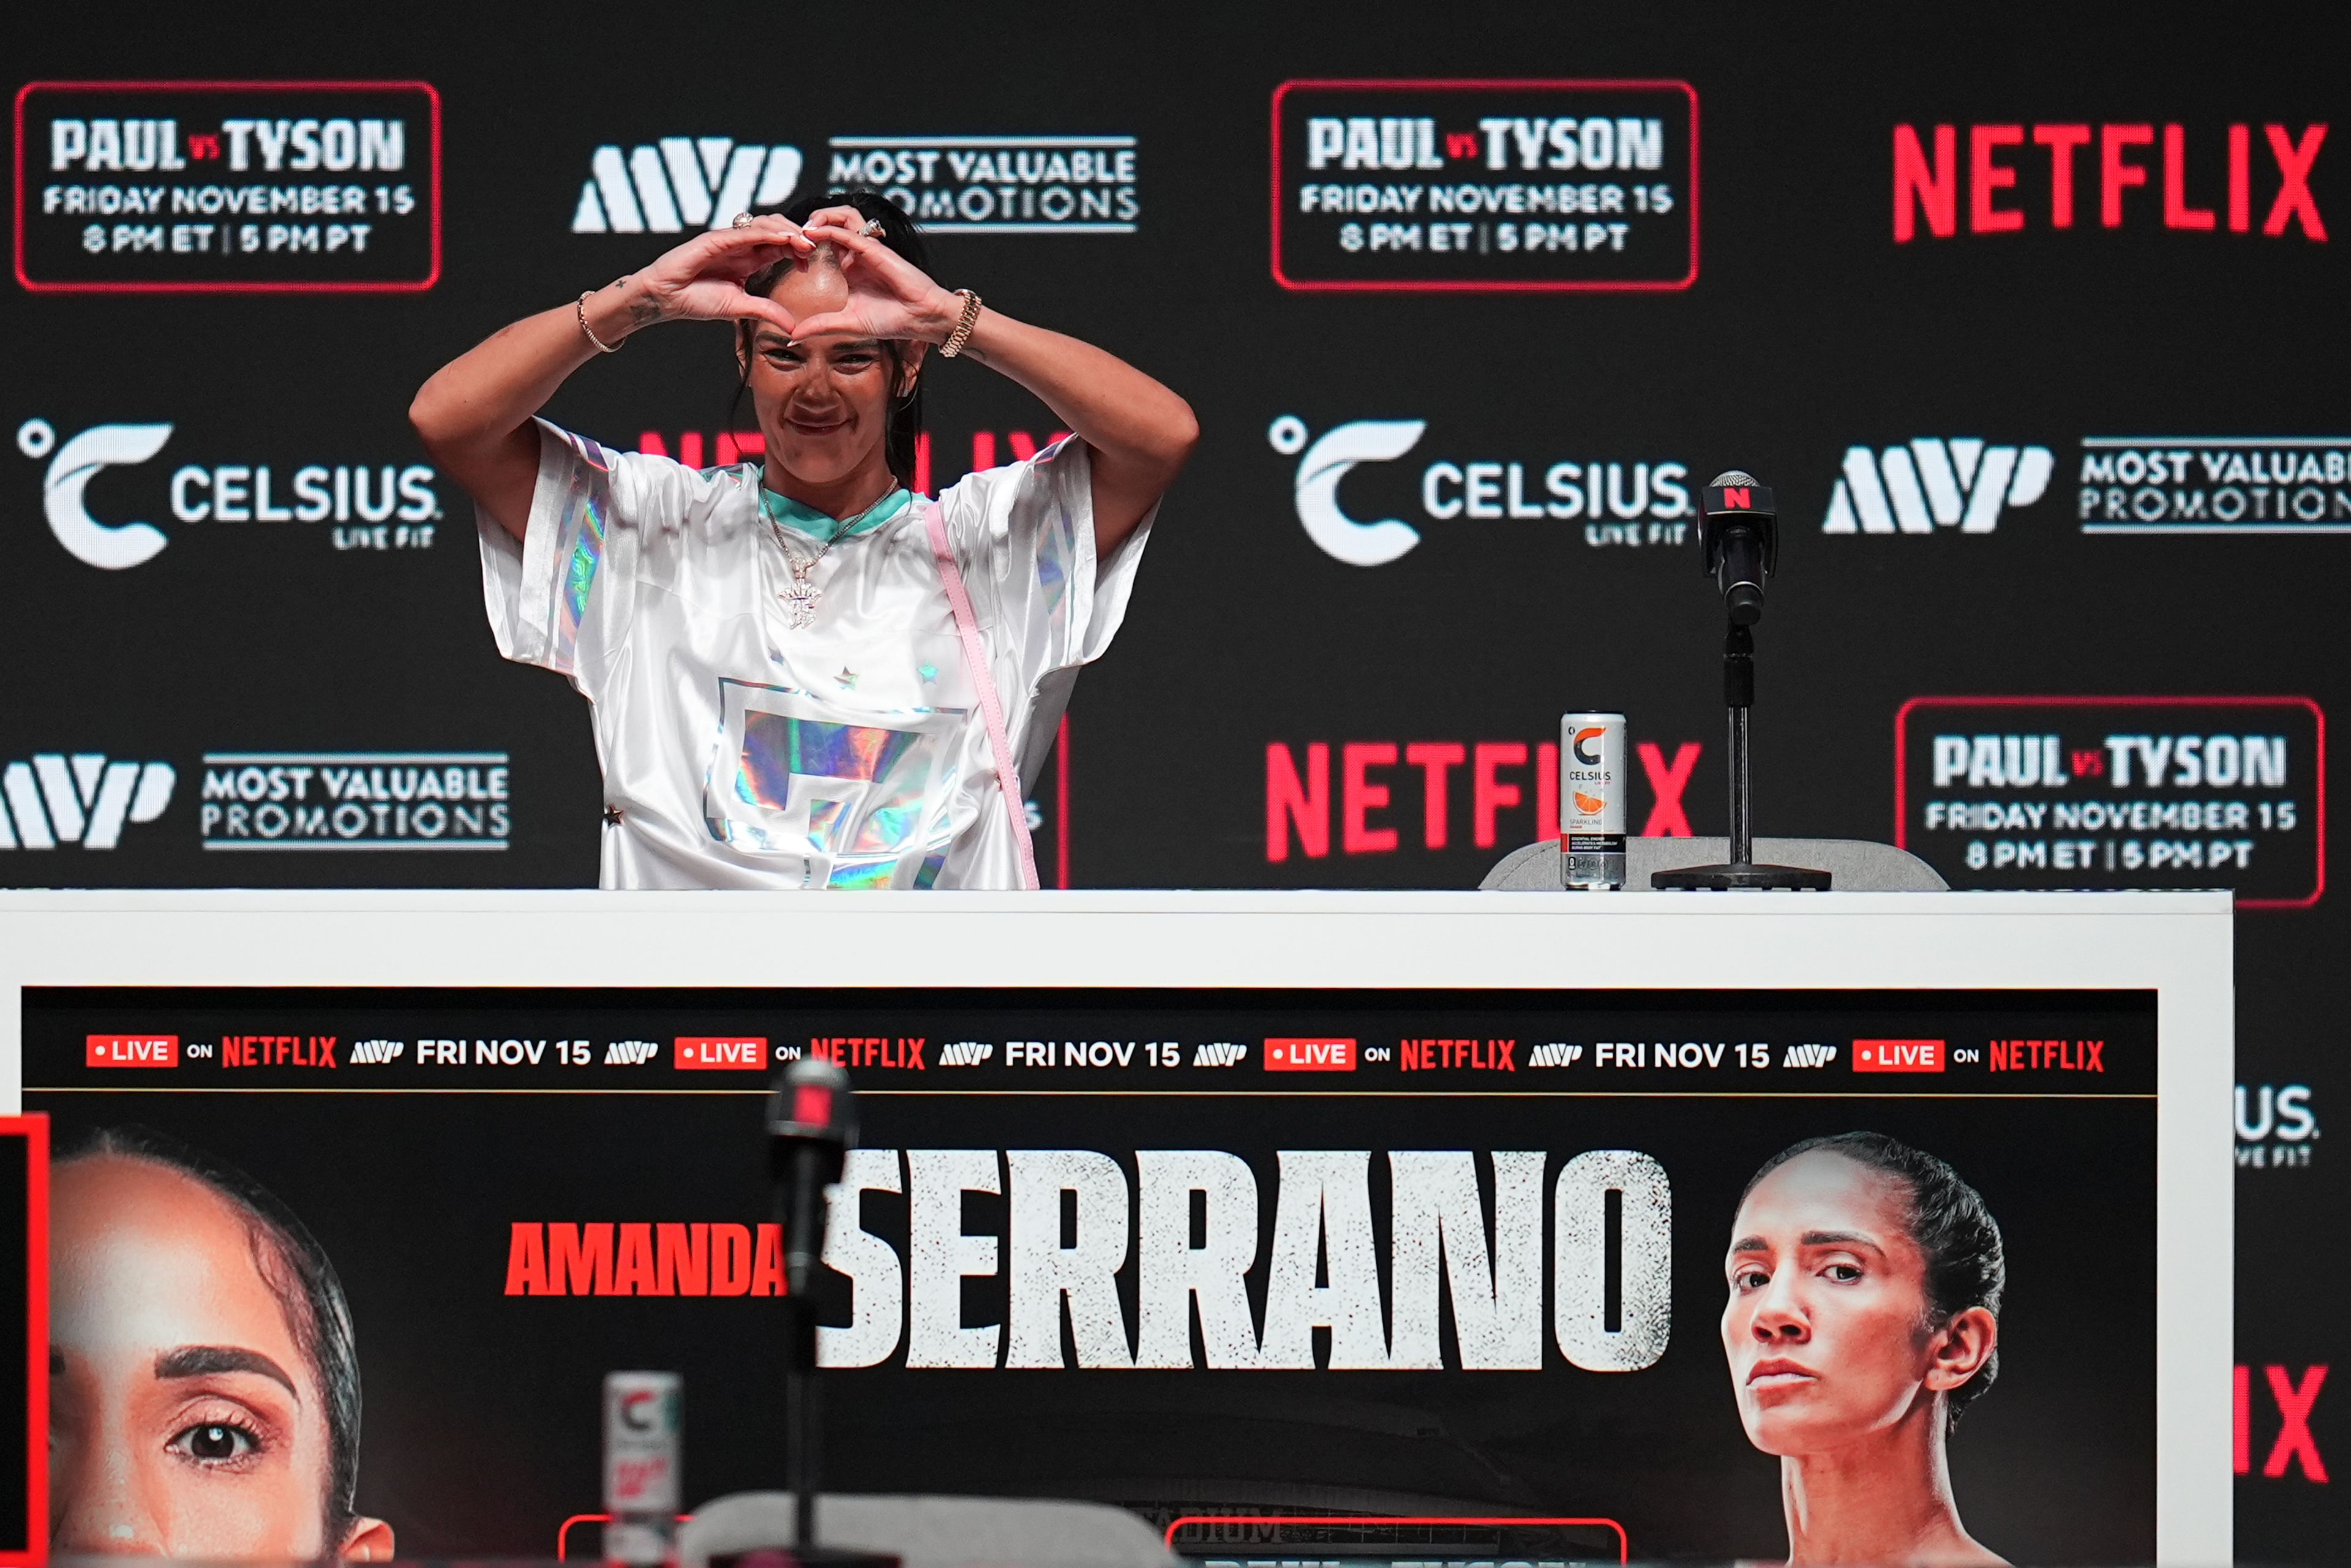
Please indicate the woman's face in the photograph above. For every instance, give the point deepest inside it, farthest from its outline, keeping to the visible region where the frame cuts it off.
(823, 402)
(1826, 1330)
(184, 1419)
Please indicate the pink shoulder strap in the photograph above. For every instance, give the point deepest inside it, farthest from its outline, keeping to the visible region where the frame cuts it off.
(975, 657)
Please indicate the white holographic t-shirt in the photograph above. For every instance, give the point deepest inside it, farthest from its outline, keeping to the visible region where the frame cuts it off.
(740, 752)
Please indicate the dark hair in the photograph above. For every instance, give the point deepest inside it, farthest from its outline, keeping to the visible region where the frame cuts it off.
(296, 1269)
(1966, 1266)
(898, 232)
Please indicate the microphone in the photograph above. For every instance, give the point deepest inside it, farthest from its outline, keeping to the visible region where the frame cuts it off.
(1739, 527)
(811, 1127)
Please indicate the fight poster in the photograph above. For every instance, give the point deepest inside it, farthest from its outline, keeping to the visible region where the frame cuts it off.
(343, 1272)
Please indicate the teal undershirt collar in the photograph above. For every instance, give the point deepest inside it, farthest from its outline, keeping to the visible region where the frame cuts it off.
(802, 519)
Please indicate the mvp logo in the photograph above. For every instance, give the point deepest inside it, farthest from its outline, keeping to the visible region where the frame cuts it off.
(630, 1053)
(966, 1052)
(376, 1052)
(681, 182)
(1218, 1054)
(83, 798)
(1809, 1055)
(1555, 1053)
(1936, 484)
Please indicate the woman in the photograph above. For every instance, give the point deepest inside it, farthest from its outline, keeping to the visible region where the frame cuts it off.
(204, 1386)
(1865, 1280)
(803, 675)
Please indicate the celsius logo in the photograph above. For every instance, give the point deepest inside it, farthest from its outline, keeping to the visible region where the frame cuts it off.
(83, 798)
(1646, 501)
(681, 183)
(112, 546)
(2275, 1125)
(1936, 484)
(1326, 463)
(391, 508)
(1587, 746)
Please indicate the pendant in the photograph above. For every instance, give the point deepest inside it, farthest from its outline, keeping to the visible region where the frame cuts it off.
(801, 599)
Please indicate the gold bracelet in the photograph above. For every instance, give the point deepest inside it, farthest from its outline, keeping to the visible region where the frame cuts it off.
(580, 310)
(956, 339)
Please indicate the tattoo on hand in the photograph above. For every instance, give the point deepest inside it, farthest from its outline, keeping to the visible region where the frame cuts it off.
(643, 310)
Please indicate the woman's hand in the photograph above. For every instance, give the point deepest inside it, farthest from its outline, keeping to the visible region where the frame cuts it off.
(702, 281)
(888, 296)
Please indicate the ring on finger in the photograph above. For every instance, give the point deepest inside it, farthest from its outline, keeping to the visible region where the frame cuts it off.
(742, 220)
(872, 229)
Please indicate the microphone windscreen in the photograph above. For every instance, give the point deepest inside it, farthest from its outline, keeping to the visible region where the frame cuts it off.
(813, 1099)
(1731, 477)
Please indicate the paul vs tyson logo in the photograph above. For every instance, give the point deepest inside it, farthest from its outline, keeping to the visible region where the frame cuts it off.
(369, 505)
(1618, 503)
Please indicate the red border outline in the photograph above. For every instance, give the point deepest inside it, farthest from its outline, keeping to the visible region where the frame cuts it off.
(563, 1531)
(432, 96)
(1061, 806)
(35, 1130)
(2317, 713)
(1467, 286)
(1624, 1543)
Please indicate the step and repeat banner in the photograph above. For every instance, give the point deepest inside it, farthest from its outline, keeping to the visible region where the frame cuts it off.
(2031, 320)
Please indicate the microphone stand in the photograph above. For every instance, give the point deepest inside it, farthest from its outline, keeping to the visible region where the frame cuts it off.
(1740, 533)
(811, 1127)
(804, 1423)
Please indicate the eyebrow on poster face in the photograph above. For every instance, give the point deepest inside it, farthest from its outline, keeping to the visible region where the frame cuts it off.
(210, 1360)
(1811, 1239)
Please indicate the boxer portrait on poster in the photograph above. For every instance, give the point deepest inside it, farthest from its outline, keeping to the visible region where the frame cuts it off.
(204, 1376)
(1865, 1285)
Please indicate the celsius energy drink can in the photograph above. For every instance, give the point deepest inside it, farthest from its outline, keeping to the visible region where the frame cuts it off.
(641, 1466)
(1592, 799)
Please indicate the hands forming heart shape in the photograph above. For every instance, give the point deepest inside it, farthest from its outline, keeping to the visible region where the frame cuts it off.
(888, 296)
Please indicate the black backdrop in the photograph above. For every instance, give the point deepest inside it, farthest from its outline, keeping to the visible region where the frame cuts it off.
(1808, 330)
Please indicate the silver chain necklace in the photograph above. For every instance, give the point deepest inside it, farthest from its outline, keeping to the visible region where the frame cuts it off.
(803, 596)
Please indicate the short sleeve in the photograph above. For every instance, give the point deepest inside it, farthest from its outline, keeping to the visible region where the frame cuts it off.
(600, 521)
(1024, 536)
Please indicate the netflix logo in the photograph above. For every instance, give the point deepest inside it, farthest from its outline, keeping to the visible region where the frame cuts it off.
(2047, 1055)
(724, 448)
(279, 1050)
(131, 1050)
(2292, 1398)
(1499, 780)
(1480, 1055)
(2208, 182)
(869, 1050)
